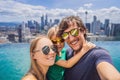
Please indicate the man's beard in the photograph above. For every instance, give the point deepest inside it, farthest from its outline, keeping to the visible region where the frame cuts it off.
(78, 50)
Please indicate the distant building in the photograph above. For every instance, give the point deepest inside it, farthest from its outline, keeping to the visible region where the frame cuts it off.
(45, 24)
(36, 27)
(88, 26)
(107, 27)
(20, 33)
(42, 23)
(46, 20)
(56, 21)
(11, 37)
(3, 39)
(115, 30)
(95, 26)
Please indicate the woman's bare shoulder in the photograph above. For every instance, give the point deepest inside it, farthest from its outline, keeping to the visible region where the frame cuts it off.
(29, 77)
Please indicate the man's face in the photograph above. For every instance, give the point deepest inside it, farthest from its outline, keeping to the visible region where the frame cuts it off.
(75, 42)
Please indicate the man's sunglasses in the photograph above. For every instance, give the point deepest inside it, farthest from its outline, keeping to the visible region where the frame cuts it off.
(59, 40)
(73, 32)
(46, 49)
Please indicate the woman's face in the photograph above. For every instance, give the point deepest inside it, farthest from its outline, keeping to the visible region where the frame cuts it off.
(58, 42)
(45, 54)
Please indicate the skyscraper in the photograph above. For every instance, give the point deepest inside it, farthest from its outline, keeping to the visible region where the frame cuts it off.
(107, 27)
(42, 22)
(96, 25)
(46, 20)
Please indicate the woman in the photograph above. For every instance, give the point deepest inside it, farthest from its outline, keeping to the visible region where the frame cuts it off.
(56, 71)
(42, 54)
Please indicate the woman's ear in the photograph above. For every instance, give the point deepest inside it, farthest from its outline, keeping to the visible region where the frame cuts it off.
(33, 55)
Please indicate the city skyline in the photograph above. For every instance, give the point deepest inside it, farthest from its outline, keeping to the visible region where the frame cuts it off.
(24, 10)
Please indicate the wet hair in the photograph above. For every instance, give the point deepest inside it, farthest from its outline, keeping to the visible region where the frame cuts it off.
(65, 23)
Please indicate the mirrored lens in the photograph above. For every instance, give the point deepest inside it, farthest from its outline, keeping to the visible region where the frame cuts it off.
(65, 35)
(54, 48)
(54, 42)
(45, 50)
(58, 41)
(74, 32)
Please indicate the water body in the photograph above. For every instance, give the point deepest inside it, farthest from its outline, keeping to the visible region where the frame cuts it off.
(15, 59)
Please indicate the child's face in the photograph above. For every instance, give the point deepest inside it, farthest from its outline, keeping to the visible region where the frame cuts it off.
(58, 42)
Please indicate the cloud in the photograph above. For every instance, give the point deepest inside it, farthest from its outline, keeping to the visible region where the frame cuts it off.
(112, 13)
(89, 5)
(16, 11)
(13, 10)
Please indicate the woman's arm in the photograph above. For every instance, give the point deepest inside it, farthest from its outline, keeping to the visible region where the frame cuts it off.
(73, 60)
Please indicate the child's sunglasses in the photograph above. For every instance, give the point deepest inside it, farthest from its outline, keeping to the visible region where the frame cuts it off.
(59, 40)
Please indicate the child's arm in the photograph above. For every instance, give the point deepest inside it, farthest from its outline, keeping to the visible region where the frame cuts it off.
(73, 60)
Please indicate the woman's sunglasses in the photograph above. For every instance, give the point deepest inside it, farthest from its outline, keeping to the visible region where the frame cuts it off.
(59, 40)
(73, 32)
(46, 49)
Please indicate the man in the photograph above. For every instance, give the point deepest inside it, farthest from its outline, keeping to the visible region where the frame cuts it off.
(96, 64)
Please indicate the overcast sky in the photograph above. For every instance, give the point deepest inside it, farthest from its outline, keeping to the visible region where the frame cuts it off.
(23, 10)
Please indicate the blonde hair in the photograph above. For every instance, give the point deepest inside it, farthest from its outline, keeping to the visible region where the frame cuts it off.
(35, 69)
(52, 31)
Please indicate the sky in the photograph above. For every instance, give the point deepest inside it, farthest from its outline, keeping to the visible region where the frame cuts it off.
(24, 10)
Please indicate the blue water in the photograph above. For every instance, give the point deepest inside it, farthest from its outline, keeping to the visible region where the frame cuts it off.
(15, 59)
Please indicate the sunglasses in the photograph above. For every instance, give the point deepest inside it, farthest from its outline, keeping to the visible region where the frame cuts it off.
(46, 49)
(57, 41)
(73, 32)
